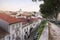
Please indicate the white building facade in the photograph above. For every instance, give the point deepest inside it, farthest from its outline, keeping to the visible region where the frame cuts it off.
(17, 30)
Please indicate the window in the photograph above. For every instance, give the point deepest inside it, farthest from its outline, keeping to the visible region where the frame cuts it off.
(16, 24)
(13, 36)
(9, 37)
(27, 28)
(33, 24)
(24, 36)
(13, 27)
(19, 24)
(19, 32)
(24, 30)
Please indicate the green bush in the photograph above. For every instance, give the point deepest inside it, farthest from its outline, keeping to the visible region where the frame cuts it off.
(40, 30)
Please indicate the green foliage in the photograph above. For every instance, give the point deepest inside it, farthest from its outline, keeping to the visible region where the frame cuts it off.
(50, 7)
(40, 30)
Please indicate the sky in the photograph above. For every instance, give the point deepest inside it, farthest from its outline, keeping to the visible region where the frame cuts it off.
(15, 5)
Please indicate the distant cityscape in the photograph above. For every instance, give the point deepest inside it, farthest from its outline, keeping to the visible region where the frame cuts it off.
(18, 25)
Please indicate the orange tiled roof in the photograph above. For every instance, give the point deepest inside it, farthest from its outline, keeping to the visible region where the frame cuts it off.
(10, 19)
(33, 19)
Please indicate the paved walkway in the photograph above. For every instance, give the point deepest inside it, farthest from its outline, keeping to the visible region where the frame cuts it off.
(54, 32)
(44, 35)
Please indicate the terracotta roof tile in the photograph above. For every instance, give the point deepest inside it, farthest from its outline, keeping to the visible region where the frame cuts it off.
(12, 20)
(8, 18)
(33, 19)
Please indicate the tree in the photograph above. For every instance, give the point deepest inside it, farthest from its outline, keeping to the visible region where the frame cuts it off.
(36, 0)
(50, 8)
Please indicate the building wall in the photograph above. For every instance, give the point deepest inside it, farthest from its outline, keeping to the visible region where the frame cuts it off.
(26, 29)
(10, 28)
(13, 30)
(4, 24)
(6, 37)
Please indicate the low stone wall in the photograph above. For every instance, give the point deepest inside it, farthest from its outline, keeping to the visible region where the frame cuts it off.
(54, 31)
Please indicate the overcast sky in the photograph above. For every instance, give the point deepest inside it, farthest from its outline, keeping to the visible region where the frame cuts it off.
(15, 5)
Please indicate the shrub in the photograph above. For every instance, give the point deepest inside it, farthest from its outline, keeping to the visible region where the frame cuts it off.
(40, 30)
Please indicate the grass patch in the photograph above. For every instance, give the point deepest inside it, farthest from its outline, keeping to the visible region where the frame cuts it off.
(40, 30)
